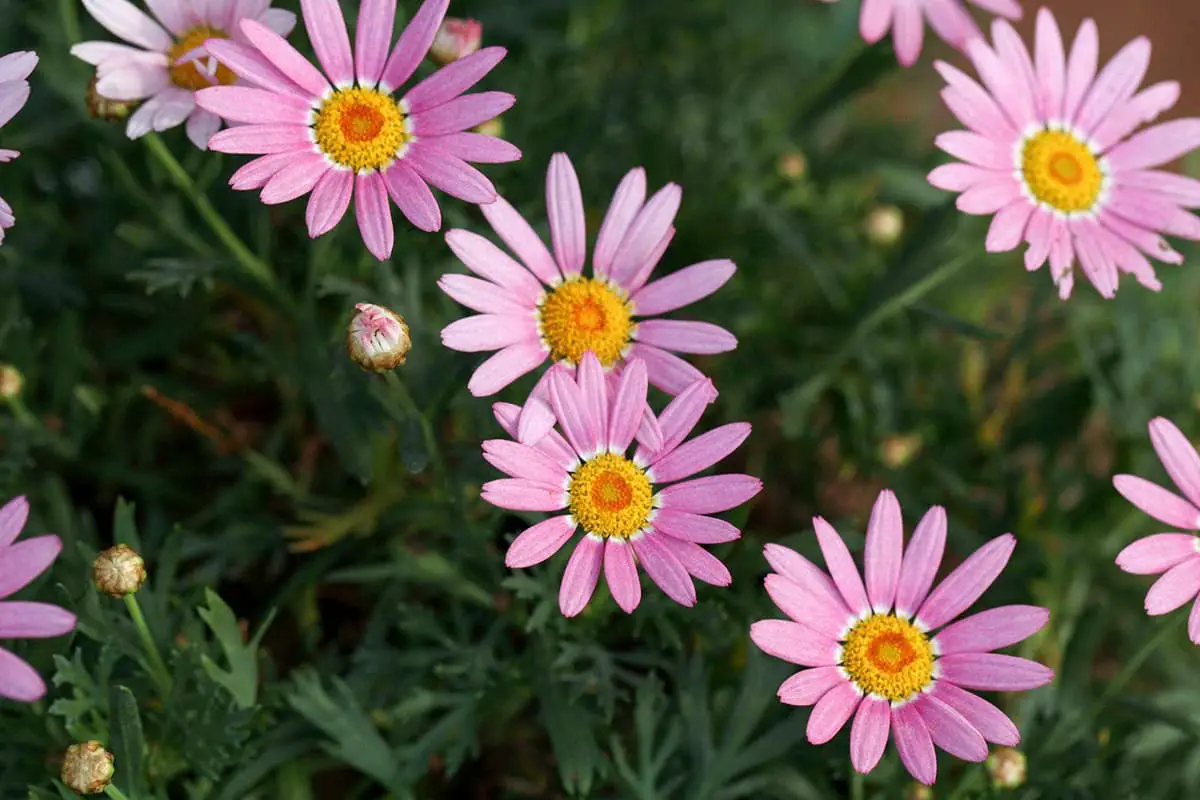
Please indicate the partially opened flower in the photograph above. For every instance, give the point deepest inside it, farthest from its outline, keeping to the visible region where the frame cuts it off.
(1052, 152)
(342, 133)
(15, 69)
(20, 564)
(166, 60)
(544, 307)
(587, 472)
(1176, 555)
(906, 20)
(889, 652)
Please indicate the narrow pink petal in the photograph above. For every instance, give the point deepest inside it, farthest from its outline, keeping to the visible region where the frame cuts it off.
(22, 562)
(295, 178)
(453, 79)
(1194, 622)
(629, 402)
(1081, 68)
(875, 19)
(809, 685)
(981, 111)
(869, 733)
(486, 332)
(1145, 241)
(922, 558)
(523, 461)
(991, 722)
(699, 563)
(1177, 456)
(830, 713)
(1127, 257)
(1164, 506)
(1015, 99)
(1100, 269)
(1177, 586)
(665, 570)
(1177, 189)
(989, 196)
(1051, 65)
(261, 139)
(1115, 84)
(479, 148)
(538, 543)
(993, 672)
(1062, 257)
(667, 371)
(581, 575)
(841, 567)
(684, 411)
(908, 31)
(450, 173)
(285, 58)
(537, 420)
(249, 65)
(328, 202)
(695, 527)
(129, 23)
(413, 44)
(13, 517)
(593, 384)
(327, 31)
(883, 551)
(1145, 107)
(914, 743)
(1038, 237)
(490, 262)
(130, 81)
(564, 206)
(975, 149)
(710, 495)
(1156, 145)
(1005, 8)
(700, 453)
(951, 22)
(794, 642)
(685, 336)
(463, 112)
(645, 233)
(967, 583)
(18, 680)
(22, 620)
(1008, 226)
(1015, 60)
(515, 232)
(622, 575)
(279, 20)
(372, 37)
(480, 295)
(244, 104)
(518, 494)
(581, 430)
(1158, 553)
(683, 287)
(787, 561)
(958, 177)
(626, 202)
(647, 269)
(201, 125)
(992, 629)
(412, 196)
(951, 731)
(552, 443)
(505, 367)
(806, 604)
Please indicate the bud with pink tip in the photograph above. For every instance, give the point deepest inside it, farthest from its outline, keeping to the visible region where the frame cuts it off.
(378, 338)
(455, 39)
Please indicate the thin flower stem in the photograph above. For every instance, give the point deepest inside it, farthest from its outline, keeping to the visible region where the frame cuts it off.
(251, 263)
(857, 785)
(159, 667)
(116, 794)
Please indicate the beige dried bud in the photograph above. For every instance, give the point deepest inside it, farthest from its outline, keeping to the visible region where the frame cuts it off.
(885, 224)
(456, 38)
(793, 165)
(493, 127)
(87, 768)
(105, 108)
(377, 338)
(1006, 767)
(119, 571)
(11, 382)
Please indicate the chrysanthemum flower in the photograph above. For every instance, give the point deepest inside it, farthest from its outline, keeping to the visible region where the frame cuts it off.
(586, 472)
(166, 59)
(20, 564)
(15, 69)
(948, 18)
(1177, 555)
(342, 132)
(1050, 153)
(873, 651)
(544, 307)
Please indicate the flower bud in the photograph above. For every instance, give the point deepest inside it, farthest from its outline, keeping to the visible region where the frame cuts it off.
(377, 338)
(104, 108)
(11, 382)
(493, 127)
(455, 39)
(118, 571)
(918, 791)
(1006, 767)
(87, 768)
(793, 165)
(885, 224)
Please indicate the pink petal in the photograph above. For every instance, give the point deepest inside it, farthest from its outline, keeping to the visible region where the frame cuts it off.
(665, 570)
(922, 558)
(1039, 239)
(128, 23)
(1164, 506)
(450, 173)
(412, 196)
(552, 443)
(1177, 456)
(413, 44)
(809, 685)
(1081, 68)
(1051, 66)
(699, 563)
(666, 370)
(244, 104)
(914, 743)
(13, 516)
(538, 543)
(453, 79)
(1145, 241)
(787, 561)
(694, 527)
(683, 336)
(479, 148)
(629, 401)
(1005, 8)
(684, 411)
(327, 31)
(581, 575)
(645, 233)
(285, 58)
(479, 295)
(261, 140)
(1097, 265)
(1159, 144)
(958, 177)
(908, 30)
(536, 422)
(328, 202)
(134, 80)
(1194, 622)
(622, 575)
(991, 629)
(975, 149)
(1177, 189)
(1158, 553)
(967, 583)
(1115, 84)
(683, 287)
(1012, 94)
(951, 21)
(1177, 586)
(979, 110)
(463, 112)
(18, 680)
(487, 332)
(647, 269)
(505, 367)
(795, 643)
(1143, 108)
(993, 672)
(626, 202)
(710, 495)
(869, 733)
(490, 262)
(574, 416)
(523, 461)
(991, 722)
(20, 563)
(883, 551)
(700, 453)
(296, 177)
(564, 205)
(518, 494)
(807, 604)
(1008, 226)
(201, 125)
(515, 232)
(17, 66)
(34, 620)
(875, 19)
(989, 196)
(950, 731)
(841, 567)
(372, 37)
(249, 65)
(831, 712)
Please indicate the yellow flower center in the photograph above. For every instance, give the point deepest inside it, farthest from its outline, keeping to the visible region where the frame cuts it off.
(188, 75)
(362, 129)
(888, 657)
(585, 314)
(610, 496)
(1061, 171)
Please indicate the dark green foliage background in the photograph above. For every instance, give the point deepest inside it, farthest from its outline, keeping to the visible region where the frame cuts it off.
(400, 658)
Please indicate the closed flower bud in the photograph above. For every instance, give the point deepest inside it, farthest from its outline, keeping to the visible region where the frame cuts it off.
(87, 768)
(377, 338)
(1006, 767)
(104, 108)
(119, 571)
(885, 224)
(793, 165)
(11, 382)
(455, 39)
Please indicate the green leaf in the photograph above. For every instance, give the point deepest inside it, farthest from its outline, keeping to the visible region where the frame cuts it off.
(572, 737)
(124, 525)
(127, 741)
(241, 679)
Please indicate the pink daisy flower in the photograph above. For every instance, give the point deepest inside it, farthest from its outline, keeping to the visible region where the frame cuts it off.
(15, 69)
(1176, 555)
(166, 59)
(586, 472)
(1050, 153)
(342, 132)
(20, 564)
(873, 651)
(543, 307)
(948, 18)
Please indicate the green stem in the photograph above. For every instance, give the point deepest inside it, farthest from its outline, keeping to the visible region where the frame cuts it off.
(116, 794)
(431, 444)
(157, 666)
(1117, 684)
(857, 787)
(251, 263)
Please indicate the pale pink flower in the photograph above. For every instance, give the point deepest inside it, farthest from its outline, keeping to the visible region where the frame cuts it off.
(948, 18)
(543, 306)
(15, 69)
(342, 133)
(872, 648)
(456, 38)
(20, 564)
(166, 59)
(1177, 555)
(586, 472)
(1050, 153)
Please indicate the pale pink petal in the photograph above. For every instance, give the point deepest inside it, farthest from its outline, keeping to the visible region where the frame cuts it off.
(18, 680)
(991, 722)
(1147, 242)
(449, 173)
(795, 643)
(372, 37)
(684, 411)
(629, 401)
(279, 20)
(515, 232)
(1005, 8)
(1013, 97)
(296, 177)
(1194, 622)
(524, 461)
(1039, 239)
(1180, 190)
(517, 494)
(1015, 60)
(129, 23)
(922, 558)
(249, 65)
(1115, 84)
(700, 453)
(413, 197)
(959, 590)
(261, 139)
(1177, 456)
(914, 743)
(13, 517)
(1158, 553)
(685, 336)
(908, 31)
(841, 567)
(97, 53)
(1081, 68)
(1127, 257)
(869, 733)
(1100, 269)
(1177, 586)
(480, 295)
(463, 112)
(453, 79)
(647, 269)
(875, 19)
(133, 80)
(413, 44)
(478, 147)
(593, 386)
(951, 731)
(1145, 107)
(645, 233)
(374, 214)
(490, 262)
(573, 414)
(949, 20)
(285, 58)
(505, 367)
(1164, 506)
(993, 672)
(958, 177)
(975, 149)
(664, 569)
(667, 371)
(980, 111)
(564, 206)
(581, 575)
(830, 713)
(699, 563)
(18, 66)
(327, 31)
(710, 495)
(245, 104)
(1062, 257)
(328, 202)
(201, 125)
(807, 604)
(1008, 226)
(34, 620)
(883, 551)
(683, 287)
(1156, 145)
(621, 574)
(694, 527)
(1051, 66)
(991, 630)
(536, 421)
(809, 685)
(20, 563)
(552, 443)
(626, 202)
(989, 196)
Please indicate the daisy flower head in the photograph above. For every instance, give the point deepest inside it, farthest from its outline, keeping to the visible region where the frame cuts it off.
(166, 60)
(1175, 555)
(15, 69)
(19, 564)
(949, 19)
(626, 516)
(543, 306)
(339, 131)
(1051, 151)
(889, 652)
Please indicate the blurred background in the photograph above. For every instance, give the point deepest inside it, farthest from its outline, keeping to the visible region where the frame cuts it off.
(325, 584)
